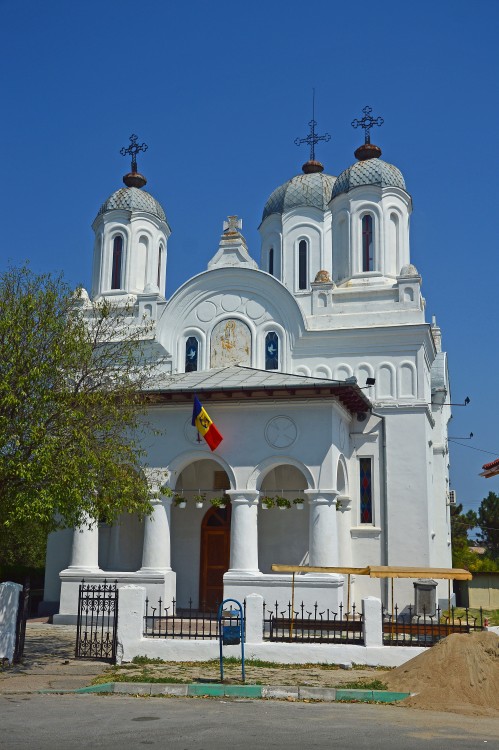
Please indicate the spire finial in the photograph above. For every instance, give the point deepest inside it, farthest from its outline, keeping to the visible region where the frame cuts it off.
(134, 178)
(312, 140)
(367, 150)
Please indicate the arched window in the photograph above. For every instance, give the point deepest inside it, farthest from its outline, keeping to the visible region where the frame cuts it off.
(302, 265)
(271, 351)
(366, 494)
(191, 354)
(160, 258)
(117, 262)
(271, 261)
(367, 243)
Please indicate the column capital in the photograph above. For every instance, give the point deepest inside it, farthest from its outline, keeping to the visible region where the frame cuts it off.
(156, 478)
(322, 497)
(249, 497)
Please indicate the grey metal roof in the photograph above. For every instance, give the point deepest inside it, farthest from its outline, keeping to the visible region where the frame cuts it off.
(239, 378)
(312, 189)
(368, 172)
(133, 199)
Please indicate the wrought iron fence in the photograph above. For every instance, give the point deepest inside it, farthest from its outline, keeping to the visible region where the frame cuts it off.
(22, 616)
(407, 628)
(97, 621)
(313, 626)
(185, 622)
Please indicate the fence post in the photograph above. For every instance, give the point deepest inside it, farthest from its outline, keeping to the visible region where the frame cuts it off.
(9, 603)
(254, 618)
(372, 624)
(130, 619)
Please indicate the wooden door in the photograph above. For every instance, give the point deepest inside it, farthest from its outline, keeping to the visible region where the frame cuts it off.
(215, 556)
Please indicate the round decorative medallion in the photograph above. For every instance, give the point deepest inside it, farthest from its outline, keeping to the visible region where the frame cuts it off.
(254, 310)
(230, 302)
(206, 311)
(192, 435)
(281, 432)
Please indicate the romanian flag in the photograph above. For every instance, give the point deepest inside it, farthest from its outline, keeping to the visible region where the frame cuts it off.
(205, 426)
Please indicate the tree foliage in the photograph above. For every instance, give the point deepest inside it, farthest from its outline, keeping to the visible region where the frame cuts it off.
(488, 523)
(461, 524)
(72, 375)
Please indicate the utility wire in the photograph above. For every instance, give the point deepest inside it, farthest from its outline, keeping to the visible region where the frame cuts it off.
(472, 447)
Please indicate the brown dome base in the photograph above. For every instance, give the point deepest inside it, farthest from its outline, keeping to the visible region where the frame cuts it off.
(367, 151)
(134, 179)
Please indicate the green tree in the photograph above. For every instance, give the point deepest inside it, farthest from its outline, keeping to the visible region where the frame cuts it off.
(488, 523)
(461, 523)
(72, 378)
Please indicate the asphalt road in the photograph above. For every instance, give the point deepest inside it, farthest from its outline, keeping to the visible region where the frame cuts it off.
(77, 722)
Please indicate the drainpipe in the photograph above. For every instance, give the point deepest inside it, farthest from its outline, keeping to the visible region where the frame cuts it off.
(384, 501)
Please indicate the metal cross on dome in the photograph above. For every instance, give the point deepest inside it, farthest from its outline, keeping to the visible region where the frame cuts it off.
(367, 123)
(312, 138)
(133, 149)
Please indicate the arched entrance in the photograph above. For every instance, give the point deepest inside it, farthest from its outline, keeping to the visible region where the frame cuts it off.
(215, 556)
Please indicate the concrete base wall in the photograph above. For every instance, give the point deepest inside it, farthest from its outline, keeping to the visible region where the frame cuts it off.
(131, 643)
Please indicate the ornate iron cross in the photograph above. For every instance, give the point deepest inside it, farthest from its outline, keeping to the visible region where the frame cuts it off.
(312, 138)
(367, 123)
(133, 149)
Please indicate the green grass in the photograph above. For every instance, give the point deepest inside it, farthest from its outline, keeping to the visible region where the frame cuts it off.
(363, 685)
(491, 614)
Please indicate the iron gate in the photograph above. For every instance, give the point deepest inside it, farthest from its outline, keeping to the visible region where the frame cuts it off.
(97, 621)
(22, 616)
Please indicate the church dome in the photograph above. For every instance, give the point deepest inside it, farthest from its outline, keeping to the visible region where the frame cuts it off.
(312, 189)
(368, 172)
(133, 199)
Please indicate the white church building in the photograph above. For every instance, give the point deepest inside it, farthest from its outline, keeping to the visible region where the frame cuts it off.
(321, 372)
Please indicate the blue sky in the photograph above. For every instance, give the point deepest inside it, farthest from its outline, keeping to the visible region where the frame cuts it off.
(219, 91)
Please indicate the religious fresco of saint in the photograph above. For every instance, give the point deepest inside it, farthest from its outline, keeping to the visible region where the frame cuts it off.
(230, 344)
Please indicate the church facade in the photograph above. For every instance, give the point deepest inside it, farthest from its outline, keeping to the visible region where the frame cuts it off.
(317, 366)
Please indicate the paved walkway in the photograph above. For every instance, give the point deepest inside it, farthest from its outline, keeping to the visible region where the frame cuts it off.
(49, 662)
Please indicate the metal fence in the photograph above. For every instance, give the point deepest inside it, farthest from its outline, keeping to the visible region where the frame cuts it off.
(97, 622)
(407, 628)
(313, 626)
(22, 616)
(184, 622)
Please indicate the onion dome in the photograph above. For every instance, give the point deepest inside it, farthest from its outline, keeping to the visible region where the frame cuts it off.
(309, 189)
(370, 169)
(370, 172)
(133, 199)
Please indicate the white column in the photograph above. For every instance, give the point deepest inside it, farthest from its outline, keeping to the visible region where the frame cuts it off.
(156, 553)
(323, 533)
(344, 526)
(85, 550)
(244, 531)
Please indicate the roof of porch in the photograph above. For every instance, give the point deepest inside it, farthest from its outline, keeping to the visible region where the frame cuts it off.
(237, 381)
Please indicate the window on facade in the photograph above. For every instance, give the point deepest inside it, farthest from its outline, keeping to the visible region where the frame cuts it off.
(302, 264)
(191, 354)
(271, 351)
(271, 261)
(366, 494)
(117, 262)
(160, 258)
(367, 244)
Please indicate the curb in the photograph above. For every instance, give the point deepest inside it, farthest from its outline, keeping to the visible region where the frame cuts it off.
(281, 692)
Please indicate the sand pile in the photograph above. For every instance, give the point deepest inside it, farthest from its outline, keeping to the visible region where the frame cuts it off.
(461, 674)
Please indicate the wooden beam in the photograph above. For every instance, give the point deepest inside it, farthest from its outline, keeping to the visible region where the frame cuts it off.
(393, 571)
(315, 569)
